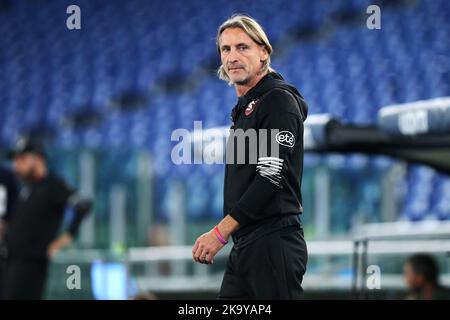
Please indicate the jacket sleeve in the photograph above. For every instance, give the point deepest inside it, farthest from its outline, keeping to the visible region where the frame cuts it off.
(66, 195)
(279, 114)
(82, 207)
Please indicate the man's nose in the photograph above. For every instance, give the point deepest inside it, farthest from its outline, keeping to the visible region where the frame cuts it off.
(232, 56)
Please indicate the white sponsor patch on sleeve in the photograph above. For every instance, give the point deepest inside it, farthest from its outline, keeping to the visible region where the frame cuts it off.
(285, 138)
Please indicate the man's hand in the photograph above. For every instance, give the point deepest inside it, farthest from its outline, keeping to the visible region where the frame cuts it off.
(63, 241)
(206, 247)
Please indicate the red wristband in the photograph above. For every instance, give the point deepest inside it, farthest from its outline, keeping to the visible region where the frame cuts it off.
(219, 236)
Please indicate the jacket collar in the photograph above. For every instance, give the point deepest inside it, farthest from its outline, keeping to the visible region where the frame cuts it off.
(263, 85)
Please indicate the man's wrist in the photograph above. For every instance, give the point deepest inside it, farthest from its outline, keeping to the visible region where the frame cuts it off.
(65, 239)
(224, 231)
(222, 239)
(227, 226)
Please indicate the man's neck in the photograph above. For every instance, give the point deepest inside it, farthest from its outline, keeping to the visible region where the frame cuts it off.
(428, 291)
(243, 89)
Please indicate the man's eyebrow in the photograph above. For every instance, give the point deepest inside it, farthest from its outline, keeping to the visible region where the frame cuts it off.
(242, 44)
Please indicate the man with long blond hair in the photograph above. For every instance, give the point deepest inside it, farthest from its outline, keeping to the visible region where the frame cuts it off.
(262, 198)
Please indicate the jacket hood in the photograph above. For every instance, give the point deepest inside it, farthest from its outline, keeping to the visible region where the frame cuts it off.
(272, 80)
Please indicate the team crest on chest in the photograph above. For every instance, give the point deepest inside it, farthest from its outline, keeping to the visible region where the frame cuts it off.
(251, 107)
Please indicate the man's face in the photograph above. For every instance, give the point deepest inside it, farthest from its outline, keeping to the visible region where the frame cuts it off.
(241, 56)
(24, 165)
(413, 280)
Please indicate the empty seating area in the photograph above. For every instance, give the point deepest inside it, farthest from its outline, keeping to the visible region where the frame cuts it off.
(137, 70)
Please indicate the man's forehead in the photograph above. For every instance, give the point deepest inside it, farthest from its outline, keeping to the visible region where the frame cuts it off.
(233, 36)
(24, 156)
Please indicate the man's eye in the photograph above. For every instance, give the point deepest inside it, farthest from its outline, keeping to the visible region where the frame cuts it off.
(242, 48)
(225, 49)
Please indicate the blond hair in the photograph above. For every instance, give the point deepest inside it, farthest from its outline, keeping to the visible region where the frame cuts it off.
(254, 31)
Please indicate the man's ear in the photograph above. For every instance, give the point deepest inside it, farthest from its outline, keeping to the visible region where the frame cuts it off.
(264, 55)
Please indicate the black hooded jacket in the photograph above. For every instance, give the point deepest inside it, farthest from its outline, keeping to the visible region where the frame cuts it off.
(262, 190)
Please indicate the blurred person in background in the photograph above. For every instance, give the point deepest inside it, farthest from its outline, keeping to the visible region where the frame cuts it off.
(421, 273)
(31, 229)
(262, 201)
